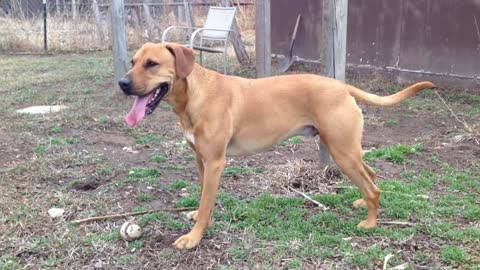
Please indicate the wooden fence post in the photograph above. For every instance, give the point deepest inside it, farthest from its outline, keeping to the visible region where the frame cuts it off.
(236, 39)
(188, 13)
(148, 20)
(57, 7)
(98, 21)
(180, 11)
(74, 9)
(334, 29)
(119, 41)
(263, 38)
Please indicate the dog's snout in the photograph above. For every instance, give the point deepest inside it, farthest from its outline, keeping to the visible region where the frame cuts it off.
(126, 85)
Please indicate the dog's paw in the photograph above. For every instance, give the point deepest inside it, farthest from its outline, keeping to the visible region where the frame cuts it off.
(192, 215)
(367, 224)
(187, 241)
(359, 203)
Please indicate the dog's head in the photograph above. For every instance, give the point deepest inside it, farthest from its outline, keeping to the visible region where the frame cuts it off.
(155, 69)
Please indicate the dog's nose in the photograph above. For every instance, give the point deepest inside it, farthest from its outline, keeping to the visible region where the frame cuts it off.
(125, 84)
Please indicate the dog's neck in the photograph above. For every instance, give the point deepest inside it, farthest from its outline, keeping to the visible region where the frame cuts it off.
(184, 89)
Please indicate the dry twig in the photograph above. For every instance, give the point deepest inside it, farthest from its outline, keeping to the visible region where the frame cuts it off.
(323, 207)
(78, 221)
(402, 223)
(465, 125)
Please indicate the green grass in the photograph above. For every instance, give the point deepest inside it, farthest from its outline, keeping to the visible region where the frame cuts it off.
(103, 119)
(108, 237)
(191, 200)
(143, 175)
(143, 172)
(292, 141)
(10, 263)
(145, 197)
(47, 70)
(178, 184)
(171, 167)
(392, 122)
(158, 158)
(281, 220)
(459, 101)
(238, 170)
(41, 149)
(107, 170)
(452, 254)
(261, 231)
(55, 129)
(128, 258)
(135, 244)
(62, 141)
(147, 139)
(189, 158)
(164, 219)
(395, 153)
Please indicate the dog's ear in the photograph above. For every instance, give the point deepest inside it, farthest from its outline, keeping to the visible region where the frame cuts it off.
(184, 59)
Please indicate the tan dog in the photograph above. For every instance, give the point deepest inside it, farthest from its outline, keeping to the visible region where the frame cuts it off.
(227, 115)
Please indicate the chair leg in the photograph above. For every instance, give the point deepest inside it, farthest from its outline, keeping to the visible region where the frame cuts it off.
(225, 62)
(201, 53)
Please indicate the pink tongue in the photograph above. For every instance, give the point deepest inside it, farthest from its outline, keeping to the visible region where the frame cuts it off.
(138, 111)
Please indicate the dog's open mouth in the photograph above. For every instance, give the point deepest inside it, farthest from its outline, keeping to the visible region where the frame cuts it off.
(146, 104)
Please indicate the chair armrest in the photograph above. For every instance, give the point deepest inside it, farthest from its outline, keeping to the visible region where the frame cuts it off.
(165, 32)
(192, 39)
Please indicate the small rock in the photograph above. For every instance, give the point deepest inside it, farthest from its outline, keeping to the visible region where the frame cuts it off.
(56, 212)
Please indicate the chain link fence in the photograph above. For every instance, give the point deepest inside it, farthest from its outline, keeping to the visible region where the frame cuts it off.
(83, 25)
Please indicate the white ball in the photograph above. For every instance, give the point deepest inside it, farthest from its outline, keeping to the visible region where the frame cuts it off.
(130, 231)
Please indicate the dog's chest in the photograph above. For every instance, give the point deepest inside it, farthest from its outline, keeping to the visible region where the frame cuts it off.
(189, 137)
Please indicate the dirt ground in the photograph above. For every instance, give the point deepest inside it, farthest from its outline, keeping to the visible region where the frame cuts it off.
(78, 160)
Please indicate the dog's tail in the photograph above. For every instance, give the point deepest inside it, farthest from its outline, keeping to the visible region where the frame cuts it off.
(372, 99)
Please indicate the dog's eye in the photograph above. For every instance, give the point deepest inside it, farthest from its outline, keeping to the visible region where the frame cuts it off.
(150, 64)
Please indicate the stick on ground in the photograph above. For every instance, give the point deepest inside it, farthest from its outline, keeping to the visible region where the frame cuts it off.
(400, 223)
(78, 221)
(323, 207)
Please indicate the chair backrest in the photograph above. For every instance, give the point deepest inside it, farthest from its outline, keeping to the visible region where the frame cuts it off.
(220, 18)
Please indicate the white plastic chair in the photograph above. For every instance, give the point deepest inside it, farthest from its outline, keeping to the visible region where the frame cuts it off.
(217, 28)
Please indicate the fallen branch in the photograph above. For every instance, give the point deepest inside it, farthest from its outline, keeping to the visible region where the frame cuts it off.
(402, 223)
(323, 207)
(78, 221)
(465, 125)
(385, 261)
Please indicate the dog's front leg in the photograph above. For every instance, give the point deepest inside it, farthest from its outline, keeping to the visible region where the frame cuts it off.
(211, 178)
(200, 169)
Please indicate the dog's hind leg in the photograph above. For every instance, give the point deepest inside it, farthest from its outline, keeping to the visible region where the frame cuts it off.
(373, 176)
(352, 166)
(341, 132)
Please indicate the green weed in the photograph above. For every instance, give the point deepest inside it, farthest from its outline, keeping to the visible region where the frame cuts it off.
(147, 139)
(395, 153)
(238, 170)
(158, 158)
(178, 184)
(452, 254)
(145, 197)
